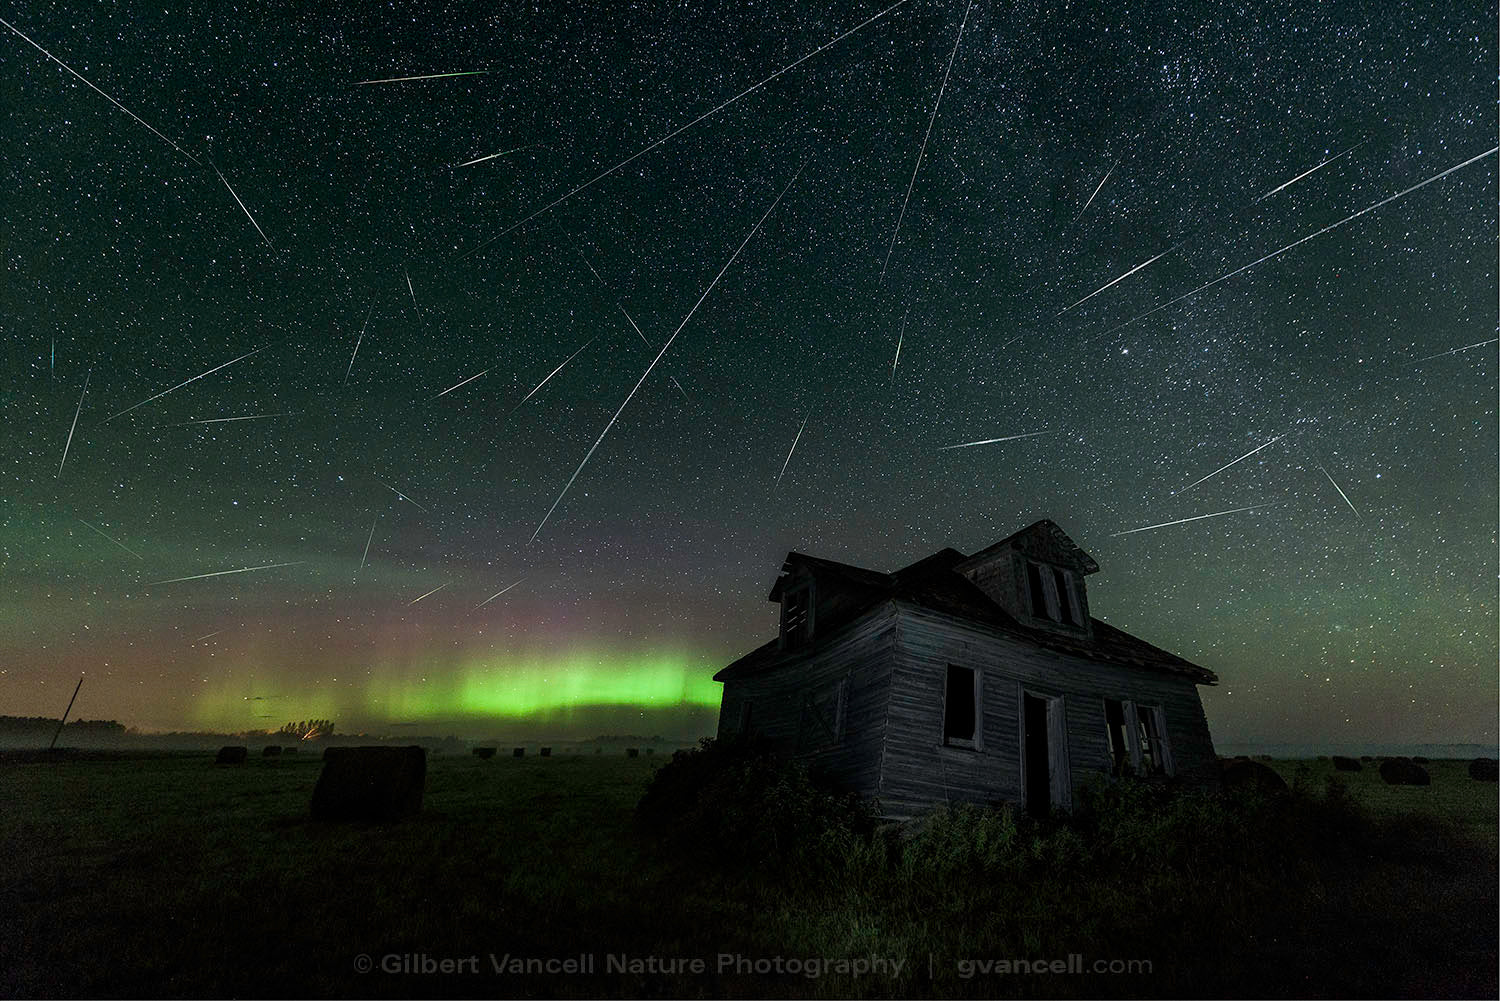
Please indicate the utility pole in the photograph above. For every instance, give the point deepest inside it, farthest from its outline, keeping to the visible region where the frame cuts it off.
(64, 719)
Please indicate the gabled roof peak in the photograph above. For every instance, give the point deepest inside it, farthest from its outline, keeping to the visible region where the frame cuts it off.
(1042, 539)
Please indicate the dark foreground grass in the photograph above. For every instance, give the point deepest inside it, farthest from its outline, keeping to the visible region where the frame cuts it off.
(175, 877)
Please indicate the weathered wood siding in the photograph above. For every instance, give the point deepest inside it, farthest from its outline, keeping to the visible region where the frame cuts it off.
(782, 700)
(919, 772)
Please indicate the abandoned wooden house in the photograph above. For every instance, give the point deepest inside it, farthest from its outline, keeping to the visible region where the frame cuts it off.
(965, 679)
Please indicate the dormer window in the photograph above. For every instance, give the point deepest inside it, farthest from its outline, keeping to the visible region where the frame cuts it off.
(1052, 594)
(797, 613)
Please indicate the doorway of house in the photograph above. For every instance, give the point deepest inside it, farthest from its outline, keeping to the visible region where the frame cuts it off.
(1038, 760)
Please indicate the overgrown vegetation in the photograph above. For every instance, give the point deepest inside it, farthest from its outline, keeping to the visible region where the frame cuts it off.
(744, 808)
(173, 878)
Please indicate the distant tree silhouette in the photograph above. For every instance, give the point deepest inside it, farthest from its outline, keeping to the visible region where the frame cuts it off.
(309, 729)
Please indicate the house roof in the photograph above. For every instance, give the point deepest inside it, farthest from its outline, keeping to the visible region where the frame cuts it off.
(935, 584)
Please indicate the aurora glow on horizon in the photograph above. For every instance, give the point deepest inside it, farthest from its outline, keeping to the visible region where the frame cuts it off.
(307, 504)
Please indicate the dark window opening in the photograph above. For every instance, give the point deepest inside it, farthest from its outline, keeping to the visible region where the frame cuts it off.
(1038, 593)
(1064, 606)
(1150, 740)
(1119, 737)
(959, 715)
(796, 614)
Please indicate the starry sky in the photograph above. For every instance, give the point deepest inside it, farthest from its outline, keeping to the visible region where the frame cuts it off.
(951, 180)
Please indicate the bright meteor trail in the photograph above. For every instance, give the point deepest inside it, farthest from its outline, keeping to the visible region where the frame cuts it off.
(69, 443)
(1098, 189)
(357, 343)
(429, 76)
(243, 209)
(1242, 458)
(792, 449)
(492, 156)
(1184, 521)
(464, 383)
(1300, 176)
(101, 93)
(1126, 275)
(433, 591)
(221, 573)
(994, 441)
(184, 383)
(753, 230)
(1341, 493)
(925, 136)
(537, 388)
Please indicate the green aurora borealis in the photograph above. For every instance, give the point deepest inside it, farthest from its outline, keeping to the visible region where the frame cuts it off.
(394, 321)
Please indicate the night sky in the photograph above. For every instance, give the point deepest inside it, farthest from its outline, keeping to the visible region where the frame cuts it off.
(1355, 602)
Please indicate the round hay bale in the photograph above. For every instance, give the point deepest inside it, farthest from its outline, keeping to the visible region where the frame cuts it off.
(1343, 764)
(1420, 760)
(632, 752)
(1403, 772)
(231, 755)
(484, 752)
(1365, 757)
(1247, 774)
(519, 752)
(1484, 769)
(545, 752)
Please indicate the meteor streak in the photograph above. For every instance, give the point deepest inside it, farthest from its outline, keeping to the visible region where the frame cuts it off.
(1216, 472)
(1183, 521)
(497, 594)
(550, 374)
(357, 343)
(707, 114)
(221, 573)
(464, 383)
(429, 76)
(923, 151)
(101, 93)
(252, 417)
(205, 636)
(1126, 275)
(433, 591)
(1454, 351)
(398, 493)
(243, 209)
(117, 542)
(992, 441)
(368, 540)
(899, 341)
(644, 375)
(481, 159)
(1100, 188)
(69, 443)
(1342, 494)
(413, 292)
(184, 383)
(792, 449)
(1300, 176)
(1298, 243)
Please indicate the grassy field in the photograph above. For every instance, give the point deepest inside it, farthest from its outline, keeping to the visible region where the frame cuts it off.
(174, 877)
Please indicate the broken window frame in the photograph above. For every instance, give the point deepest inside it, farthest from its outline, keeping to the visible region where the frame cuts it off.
(975, 740)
